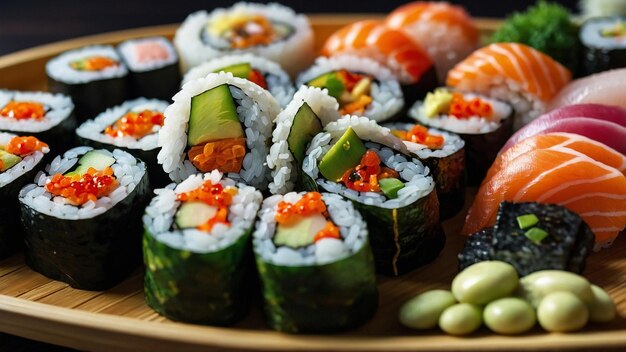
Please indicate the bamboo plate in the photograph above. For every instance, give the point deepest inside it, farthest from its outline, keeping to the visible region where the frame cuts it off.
(35, 307)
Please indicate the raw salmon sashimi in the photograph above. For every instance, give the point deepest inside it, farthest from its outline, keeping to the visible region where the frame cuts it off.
(602, 88)
(557, 175)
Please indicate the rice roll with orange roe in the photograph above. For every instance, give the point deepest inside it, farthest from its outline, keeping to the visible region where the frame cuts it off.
(132, 127)
(21, 157)
(219, 122)
(82, 217)
(315, 263)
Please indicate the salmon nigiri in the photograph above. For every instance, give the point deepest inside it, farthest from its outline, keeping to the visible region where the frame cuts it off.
(513, 72)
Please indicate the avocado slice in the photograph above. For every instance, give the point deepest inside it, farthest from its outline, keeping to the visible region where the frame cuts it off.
(342, 156)
(300, 232)
(305, 126)
(238, 70)
(329, 81)
(96, 159)
(390, 186)
(194, 214)
(8, 160)
(213, 116)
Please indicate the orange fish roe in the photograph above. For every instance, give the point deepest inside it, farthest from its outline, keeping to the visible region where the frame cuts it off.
(79, 189)
(24, 145)
(311, 203)
(214, 195)
(364, 177)
(329, 231)
(257, 78)
(22, 110)
(225, 155)
(93, 63)
(462, 108)
(250, 32)
(419, 134)
(135, 124)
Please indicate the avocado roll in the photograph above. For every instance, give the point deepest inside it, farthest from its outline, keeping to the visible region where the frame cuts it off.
(94, 77)
(132, 127)
(48, 117)
(82, 217)
(265, 73)
(21, 157)
(153, 67)
(362, 161)
(196, 249)
(444, 154)
(306, 115)
(362, 86)
(271, 30)
(315, 263)
(219, 122)
(485, 124)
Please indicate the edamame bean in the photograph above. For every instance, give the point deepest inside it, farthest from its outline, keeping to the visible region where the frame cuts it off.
(602, 308)
(424, 310)
(461, 319)
(484, 282)
(562, 311)
(509, 315)
(538, 285)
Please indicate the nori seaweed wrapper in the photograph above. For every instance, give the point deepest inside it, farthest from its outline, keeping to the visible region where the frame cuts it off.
(601, 53)
(89, 254)
(161, 83)
(478, 248)
(202, 288)
(320, 298)
(418, 90)
(449, 175)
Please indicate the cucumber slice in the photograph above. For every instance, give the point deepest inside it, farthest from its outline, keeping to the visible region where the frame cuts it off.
(342, 156)
(213, 116)
(391, 186)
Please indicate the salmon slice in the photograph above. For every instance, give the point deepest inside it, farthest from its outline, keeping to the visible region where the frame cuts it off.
(558, 175)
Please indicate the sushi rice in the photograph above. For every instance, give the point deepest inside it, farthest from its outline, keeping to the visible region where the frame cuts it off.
(58, 108)
(452, 142)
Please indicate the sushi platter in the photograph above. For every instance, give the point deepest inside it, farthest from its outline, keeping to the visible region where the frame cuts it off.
(377, 249)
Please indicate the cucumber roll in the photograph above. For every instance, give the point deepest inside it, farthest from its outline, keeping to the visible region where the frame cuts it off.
(310, 110)
(315, 263)
(132, 127)
(82, 217)
(94, 76)
(20, 159)
(219, 122)
(444, 154)
(265, 73)
(362, 161)
(272, 31)
(196, 249)
(362, 86)
(485, 124)
(153, 66)
(48, 117)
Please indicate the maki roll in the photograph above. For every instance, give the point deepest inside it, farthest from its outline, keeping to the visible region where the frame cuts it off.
(603, 43)
(153, 66)
(485, 124)
(219, 122)
(315, 263)
(265, 73)
(93, 76)
(48, 117)
(444, 154)
(361, 86)
(20, 159)
(132, 127)
(196, 249)
(306, 115)
(272, 31)
(362, 161)
(74, 212)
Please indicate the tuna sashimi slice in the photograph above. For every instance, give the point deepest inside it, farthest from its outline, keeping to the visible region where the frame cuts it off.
(602, 88)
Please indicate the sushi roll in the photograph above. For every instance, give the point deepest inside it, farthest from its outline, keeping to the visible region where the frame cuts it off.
(444, 154)
(74, 212)
(306, 115)
(362, 161)
(132, 127)
(196, 249)
(21, 157)
(48, 117)
(265, 73)
(315, 263)
(94, 77)
(361, 86)
(153, 67)
(603, 43)
(272, 31)
(219, 122)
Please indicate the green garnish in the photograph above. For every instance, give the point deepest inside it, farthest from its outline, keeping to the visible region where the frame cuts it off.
(527, 220)
(335, 87)
(390, 187)
(536, 235)
(618, 30)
